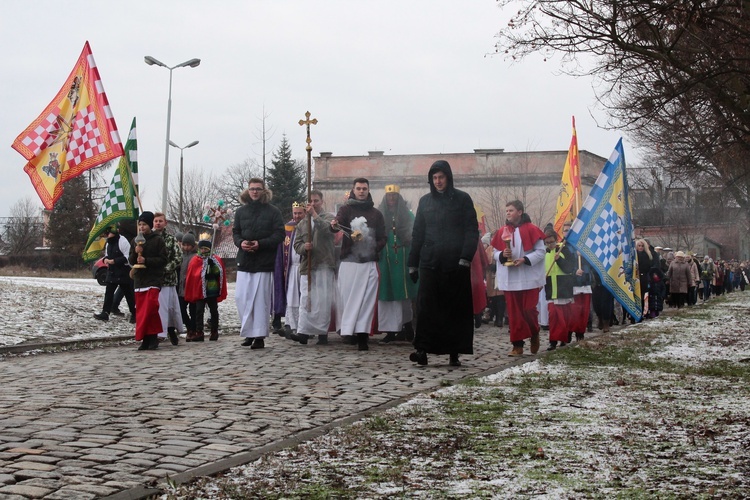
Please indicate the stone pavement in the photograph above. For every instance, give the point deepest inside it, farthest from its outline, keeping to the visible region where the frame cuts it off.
(113, 421)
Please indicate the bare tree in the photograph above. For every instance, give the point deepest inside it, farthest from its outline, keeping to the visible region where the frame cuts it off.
(234, 181)
(519, 180)
(672, 72)
(25, 228)
(199, 190)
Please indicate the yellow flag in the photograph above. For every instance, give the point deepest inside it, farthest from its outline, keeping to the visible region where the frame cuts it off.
(570, 186)
(74, 133)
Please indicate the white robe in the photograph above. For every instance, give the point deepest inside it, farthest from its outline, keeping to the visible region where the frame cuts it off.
(291, 317)
(169, 310)
(523, 277)
(358, 294)
(317, 320)
(253, 294)
(392, 314)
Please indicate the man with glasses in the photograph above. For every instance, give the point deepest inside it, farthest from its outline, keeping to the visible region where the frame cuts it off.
(258, 230)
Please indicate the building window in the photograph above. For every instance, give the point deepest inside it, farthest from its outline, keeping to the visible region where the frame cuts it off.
(678, 197)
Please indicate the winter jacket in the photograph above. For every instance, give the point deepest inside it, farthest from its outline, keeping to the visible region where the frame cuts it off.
(445, 228)
(155, 253)
(117, 249)
(174, 259)
(368, 249)
(679, 277)
(262, 222)
(323, 251)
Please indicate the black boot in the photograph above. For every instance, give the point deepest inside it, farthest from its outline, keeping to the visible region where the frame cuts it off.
(154, 345)
(552, 345)
(102, 316)
(419, 357)
(454, 360)
(172, 334)
(362, 339)
(145, 343)
(258, 343)
(389, 337)
(322, 340)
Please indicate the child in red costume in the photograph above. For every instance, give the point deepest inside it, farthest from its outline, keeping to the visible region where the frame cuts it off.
(205, 285)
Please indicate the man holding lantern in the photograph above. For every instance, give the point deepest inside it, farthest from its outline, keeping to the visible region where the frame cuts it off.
(520, 252)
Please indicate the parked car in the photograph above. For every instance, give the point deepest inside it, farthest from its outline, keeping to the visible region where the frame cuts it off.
(99, 270)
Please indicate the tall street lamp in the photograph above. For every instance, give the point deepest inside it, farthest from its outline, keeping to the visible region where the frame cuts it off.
(181, 150)
(191, 63)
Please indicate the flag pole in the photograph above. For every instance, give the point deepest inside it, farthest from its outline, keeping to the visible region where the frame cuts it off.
(307, 122)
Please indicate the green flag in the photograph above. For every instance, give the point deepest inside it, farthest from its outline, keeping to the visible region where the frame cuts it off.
(120, 200)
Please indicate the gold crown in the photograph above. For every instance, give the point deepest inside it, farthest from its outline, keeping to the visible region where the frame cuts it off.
(392, 188)
(297, 204)
(205, 237)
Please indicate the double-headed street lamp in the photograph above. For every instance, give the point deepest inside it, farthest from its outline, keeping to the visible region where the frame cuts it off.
(181, 150)
(191, 63)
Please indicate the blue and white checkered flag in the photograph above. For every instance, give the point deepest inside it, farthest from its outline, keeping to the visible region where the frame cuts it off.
(603, 234)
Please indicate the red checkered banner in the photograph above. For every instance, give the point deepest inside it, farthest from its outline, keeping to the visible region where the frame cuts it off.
(74, 133)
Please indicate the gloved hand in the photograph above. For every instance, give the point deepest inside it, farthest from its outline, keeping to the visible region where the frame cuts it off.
(414, 274)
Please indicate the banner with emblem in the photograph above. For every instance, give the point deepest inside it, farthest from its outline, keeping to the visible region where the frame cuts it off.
(74, 133)
(120, 202)
(570, 186)
(603, 234)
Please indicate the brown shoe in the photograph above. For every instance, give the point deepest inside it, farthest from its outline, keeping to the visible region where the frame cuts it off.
(198, 337)
(606, 329)
(516, 352)
(534, 347)
(214, 334)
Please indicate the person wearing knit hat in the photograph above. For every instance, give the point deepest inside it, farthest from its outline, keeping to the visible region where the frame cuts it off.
(187, 309)
(148, 218)
(205, 285)
(151, 253)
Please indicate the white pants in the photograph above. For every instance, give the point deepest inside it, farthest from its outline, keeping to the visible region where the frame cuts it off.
(358, 294)
(169, 310)
(317, 320)
(393, 314)
(542, 308)
(291, 318)
(253, 293)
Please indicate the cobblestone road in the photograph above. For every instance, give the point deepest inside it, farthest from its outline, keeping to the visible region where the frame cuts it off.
(109, 421)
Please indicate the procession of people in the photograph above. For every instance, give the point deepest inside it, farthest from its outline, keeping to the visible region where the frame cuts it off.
(386, 270)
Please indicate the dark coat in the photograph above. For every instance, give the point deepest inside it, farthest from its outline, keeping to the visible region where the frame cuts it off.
(369, 249)
(445, 228)
(445, 231)
(262, 222)
(155, 253)
(117, 273)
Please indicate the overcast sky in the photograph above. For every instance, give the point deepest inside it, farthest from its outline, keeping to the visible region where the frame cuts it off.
(404, 77)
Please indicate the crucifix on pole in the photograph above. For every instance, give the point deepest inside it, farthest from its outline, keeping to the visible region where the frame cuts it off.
(307, 122)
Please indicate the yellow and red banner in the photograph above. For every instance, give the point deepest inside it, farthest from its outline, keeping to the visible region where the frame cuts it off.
(570, 186)
(74, 133)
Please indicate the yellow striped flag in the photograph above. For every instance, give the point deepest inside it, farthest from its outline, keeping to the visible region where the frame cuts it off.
(570, 187)
(74, 133)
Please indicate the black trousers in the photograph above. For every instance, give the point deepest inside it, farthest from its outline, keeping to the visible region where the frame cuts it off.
(200, 307)
(109, 296)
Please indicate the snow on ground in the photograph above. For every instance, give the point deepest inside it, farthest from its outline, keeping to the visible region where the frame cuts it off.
(660, 409)
(56, 309)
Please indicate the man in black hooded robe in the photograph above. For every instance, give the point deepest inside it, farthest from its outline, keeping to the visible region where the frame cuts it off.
(444, 241)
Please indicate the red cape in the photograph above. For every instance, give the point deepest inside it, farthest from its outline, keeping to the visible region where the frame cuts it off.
(530, 234)
(195, 279)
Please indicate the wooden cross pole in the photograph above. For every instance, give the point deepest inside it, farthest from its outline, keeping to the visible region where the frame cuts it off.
(307, 122)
